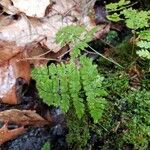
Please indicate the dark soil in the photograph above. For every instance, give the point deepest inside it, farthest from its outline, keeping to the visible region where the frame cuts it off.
(36, 137)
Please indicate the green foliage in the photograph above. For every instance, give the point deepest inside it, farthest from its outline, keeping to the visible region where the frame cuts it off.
(46, 146)
(79, 131)
(92, 85)
(77, 36)
(144, 35)
(112, 7)
(118, 5)
(114, 17)
(135, 20)
(66, 84)
(138, 126)
(131, 110)
(144, 53)
(71, 84)
(144, 44)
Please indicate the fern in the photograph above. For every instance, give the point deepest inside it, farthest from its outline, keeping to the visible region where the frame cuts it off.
(66, 85)
(76, 36)
(119, 5)
(144, 44)
(92, 84)
(135, 20)
(112, 7)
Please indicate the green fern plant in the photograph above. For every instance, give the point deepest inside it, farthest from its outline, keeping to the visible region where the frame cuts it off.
(76, 36)
(68, 84)
(135, 20)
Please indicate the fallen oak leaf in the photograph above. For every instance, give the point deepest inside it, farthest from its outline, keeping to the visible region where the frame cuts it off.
(6, 134)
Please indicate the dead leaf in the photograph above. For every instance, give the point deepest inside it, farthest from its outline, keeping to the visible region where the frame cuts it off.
(27, 30)
(6, 135)
(8, 7)
(32, 8)
(103, 30)
(10, 70)
(22, 117)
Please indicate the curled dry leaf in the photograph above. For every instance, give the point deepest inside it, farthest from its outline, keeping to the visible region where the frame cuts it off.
(102, 32)
(6, 135)
(22, 117)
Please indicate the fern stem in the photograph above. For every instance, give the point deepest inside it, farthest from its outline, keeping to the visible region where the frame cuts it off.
(111, 60)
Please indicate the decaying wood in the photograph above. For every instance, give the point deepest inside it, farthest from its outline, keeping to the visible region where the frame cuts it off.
(22, 117)
(6, 134)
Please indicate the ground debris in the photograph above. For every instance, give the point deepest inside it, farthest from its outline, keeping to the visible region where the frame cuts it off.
(22, 117)
(6, 134)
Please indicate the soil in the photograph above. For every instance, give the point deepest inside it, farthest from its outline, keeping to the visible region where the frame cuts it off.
(36, 137)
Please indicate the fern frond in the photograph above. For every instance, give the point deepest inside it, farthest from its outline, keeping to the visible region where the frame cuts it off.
(92, 84)
(77, 36)
(74, 88)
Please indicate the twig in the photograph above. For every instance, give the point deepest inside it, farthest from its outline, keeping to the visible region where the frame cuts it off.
(89, 52)
(34, 58)
(111, 60)
(64, 53)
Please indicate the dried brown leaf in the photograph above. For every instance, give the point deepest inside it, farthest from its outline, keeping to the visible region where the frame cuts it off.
(10, 70)
(27, 30)
(22, 117)
(6, 135)
(32, 8)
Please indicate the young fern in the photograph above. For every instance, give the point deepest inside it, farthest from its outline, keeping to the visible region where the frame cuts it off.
(92, 84)
(64, 87)
(135, 20)
(68, 85)
(76, 36)
(74, 88)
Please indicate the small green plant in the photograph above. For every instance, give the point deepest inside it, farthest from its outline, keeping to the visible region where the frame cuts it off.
(77, 83)
(76, 36)
(138, 126)
(66, 84)
(136, 20)
(127, 119)
(46, 146)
